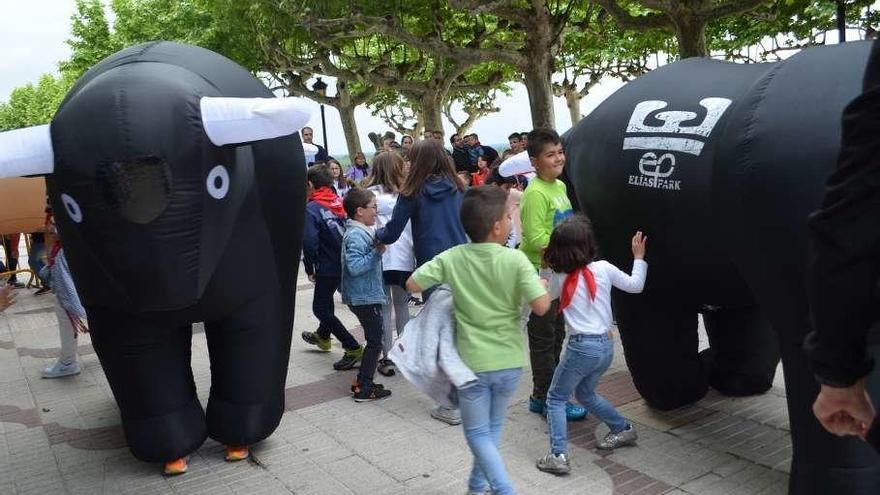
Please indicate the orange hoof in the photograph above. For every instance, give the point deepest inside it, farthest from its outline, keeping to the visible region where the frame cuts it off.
(236, 453)
(175, 467)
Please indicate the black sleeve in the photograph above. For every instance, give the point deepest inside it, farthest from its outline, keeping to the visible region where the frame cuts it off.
(844, 263)
(321, 155)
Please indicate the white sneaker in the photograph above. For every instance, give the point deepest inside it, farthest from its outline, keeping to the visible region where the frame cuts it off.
(60, 369)
(448, 416)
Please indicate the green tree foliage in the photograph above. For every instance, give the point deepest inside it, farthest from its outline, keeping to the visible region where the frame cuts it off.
(782, 27)
(34, 104)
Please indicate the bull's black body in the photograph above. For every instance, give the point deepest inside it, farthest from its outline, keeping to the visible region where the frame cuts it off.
(155, 245)
(724, 200)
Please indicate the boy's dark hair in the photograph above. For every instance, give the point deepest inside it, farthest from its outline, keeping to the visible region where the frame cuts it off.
(572, 245)
(516, 136)
(354, 199)
(540, 137)
(481, 207)
(452, 138)
(319, 175)
(497, 179)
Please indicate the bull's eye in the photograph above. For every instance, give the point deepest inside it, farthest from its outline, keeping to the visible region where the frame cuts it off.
(218, 182)
(72, 208)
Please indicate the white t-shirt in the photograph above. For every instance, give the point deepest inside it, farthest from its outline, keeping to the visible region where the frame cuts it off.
(593, 317)
(398, 255)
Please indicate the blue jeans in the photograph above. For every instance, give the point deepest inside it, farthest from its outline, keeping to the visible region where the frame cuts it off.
(483, 407)
(586, 359)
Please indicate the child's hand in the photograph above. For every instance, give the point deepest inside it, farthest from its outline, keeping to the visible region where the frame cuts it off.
(638, 245)
(379, 246)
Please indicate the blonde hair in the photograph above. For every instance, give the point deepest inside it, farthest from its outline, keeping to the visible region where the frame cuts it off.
(387, 172)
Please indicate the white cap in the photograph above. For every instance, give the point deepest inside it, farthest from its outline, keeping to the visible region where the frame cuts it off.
(517, 164)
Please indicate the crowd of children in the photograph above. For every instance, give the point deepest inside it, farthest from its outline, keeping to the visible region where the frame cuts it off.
(412, 222)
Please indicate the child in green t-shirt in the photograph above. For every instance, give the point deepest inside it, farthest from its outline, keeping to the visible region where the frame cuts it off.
(489, 285)
(543, 206)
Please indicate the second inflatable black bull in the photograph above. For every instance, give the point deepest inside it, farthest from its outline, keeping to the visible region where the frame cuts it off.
(720, 164)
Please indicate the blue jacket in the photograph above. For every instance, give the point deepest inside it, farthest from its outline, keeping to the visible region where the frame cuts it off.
(436, 225)
(322, 241)
(361, 267)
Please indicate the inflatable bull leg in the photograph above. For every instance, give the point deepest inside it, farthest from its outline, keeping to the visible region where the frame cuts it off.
(659, 339)
(179, 190)
(660, 342)
(148, 369)
(741, 359)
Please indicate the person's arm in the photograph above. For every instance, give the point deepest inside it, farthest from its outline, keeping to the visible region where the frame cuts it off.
(533, 216)
(428, 275)
(360, 255)
(532, 287)
(635, 282)
(403, 211)
(843, 281)
(844, 261)
(310, 243)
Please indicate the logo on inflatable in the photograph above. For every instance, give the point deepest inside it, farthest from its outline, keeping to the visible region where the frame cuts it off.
(670, 136)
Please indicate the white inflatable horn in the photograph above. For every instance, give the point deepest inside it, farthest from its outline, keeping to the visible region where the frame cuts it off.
(243, 120)
(517, 164)
(26, 151)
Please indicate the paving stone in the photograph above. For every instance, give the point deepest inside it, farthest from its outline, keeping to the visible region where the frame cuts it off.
(63, 436)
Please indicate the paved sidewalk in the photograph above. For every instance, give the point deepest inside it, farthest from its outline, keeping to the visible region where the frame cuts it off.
(63, 436)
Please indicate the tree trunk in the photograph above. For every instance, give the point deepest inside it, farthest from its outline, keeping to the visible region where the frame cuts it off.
(346, 106)
(432, 111)
(349, 128)
(691, 35)
(573, 101)
(537, 67)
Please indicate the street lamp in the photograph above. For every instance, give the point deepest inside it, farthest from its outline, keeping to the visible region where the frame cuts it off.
(320, 87)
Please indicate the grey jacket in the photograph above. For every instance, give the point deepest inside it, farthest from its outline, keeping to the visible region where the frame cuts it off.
(426, 355)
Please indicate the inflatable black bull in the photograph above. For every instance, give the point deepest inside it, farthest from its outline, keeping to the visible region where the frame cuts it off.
(178, 201)
(720, 164)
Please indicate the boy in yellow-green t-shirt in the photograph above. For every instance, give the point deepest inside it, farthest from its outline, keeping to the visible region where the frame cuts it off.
(543, 206)
(490, 283)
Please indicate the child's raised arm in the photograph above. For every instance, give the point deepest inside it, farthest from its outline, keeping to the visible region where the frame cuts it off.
(636, 282)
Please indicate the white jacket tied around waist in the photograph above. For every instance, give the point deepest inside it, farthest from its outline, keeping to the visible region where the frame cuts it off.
(426, 355)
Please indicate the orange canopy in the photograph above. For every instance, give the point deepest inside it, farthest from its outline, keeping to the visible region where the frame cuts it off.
(22, 205)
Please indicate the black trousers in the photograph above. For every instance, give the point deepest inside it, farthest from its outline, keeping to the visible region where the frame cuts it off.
(546, 335)
(370, 317)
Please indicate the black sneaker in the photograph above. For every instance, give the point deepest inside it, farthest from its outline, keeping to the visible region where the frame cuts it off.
(356, 386)
(415, 301)
(371, 394)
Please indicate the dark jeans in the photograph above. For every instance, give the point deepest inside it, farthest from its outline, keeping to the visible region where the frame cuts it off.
(370, 316)
(546, 335)
(323, 308)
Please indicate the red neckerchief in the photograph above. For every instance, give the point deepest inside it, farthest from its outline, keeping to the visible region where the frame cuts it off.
(325, 197)
(570, 285)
